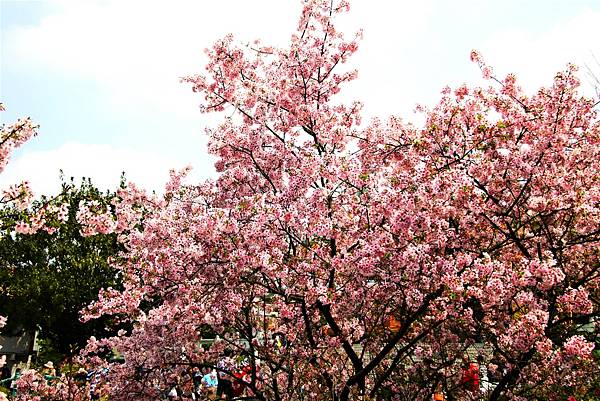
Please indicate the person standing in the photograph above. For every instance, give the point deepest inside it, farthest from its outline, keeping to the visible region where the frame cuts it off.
(225, 367)
(470, 375)
(5, 373)
(13, 382)
(197, 382)
(438, 395)
(48, 371)
(210, 383)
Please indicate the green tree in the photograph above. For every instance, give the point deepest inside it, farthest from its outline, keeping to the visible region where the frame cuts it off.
(47, 277)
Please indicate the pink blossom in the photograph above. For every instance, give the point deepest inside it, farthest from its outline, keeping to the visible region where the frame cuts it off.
(578, 346)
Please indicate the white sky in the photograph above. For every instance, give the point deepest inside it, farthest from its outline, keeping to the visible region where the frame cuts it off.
(102, 77)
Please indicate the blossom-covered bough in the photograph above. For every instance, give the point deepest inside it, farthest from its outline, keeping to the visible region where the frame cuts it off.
(20, 215)
(11, 137)
(32, 385)
(379, 254)
(20, 195)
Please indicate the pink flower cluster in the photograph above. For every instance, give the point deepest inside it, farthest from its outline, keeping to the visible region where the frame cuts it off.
(13, 136)
(578, 346)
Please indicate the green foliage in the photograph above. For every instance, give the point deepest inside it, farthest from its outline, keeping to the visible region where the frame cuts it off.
(48, 352)
(46, 279)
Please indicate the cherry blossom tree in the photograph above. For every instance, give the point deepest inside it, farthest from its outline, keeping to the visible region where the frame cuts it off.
(11, 137)
(339, 261)
(47, 277)
(24, 220)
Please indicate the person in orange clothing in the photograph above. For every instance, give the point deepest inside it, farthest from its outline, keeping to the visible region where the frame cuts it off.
(438, 394)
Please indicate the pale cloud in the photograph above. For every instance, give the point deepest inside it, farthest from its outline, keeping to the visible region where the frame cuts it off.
(387, 54)
(138, 50)
(103, 163)
(536, 58)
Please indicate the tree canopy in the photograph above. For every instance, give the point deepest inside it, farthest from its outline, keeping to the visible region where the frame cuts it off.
(383, 254)
(49, 276)
(345, 261)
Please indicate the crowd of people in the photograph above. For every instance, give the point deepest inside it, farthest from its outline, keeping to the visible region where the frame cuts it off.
(10, 380)
(231, 377)
(51, 375)
(227, 379)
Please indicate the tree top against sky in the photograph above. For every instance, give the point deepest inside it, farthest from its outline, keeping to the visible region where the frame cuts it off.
(102, 77)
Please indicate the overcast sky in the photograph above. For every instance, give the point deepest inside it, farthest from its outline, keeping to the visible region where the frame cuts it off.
(101, 78)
